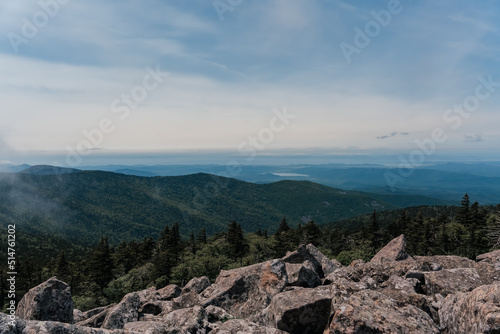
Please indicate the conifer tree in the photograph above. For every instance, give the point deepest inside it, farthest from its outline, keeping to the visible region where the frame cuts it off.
(100, 264)
(201, 238)
(236, 240)
(62, 268)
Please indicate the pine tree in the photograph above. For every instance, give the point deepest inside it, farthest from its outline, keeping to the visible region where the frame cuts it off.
(464, 214)
(236, 240)
(100, 264)
(201, 238)
(312, 233)
(494, 231)
(374, 232)
(192, 243)
(283, 226)
(62, 268)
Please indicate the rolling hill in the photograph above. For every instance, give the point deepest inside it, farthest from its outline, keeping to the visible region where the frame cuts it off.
(82, 206)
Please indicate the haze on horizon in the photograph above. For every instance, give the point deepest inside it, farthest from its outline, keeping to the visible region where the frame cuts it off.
(249, 78)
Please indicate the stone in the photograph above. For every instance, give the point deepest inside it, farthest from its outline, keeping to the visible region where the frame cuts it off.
(302, 274)
(151, 327)
(241, 326)
(196, 285)
(246, 291)
(395, 250)
(492, 257)
(322, 264)
(449, 281)
(49, 301)
(127, 310)
(369, 311)
(169, 292)
(473, 312)
(300, 311)
(191, 320)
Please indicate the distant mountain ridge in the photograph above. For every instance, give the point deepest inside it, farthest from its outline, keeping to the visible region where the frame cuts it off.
(85, 205)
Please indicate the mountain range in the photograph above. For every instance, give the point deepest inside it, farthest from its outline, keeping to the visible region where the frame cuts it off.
(81, 206)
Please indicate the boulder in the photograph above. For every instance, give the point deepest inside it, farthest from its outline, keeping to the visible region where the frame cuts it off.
(49, 301)
(449, 281)
(217, 314)
(302, 274)
(491, 257)
(96, 320)
(240, 326)
(322, 264)
(127, 310)
(78, 315)
(245, 292)
(196, 285)
(474, 312)
(300, 311)
(151, 327)
(372, 312)
(190, 320)
(169, 292)
(395, 250)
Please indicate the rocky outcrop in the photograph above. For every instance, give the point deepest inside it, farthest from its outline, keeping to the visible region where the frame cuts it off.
(300, 311)
(304, 292)
(322, 265)
(169, 292)
(49, 301)
(245, 292)
(450, 281)
(302, 274)
(393, 251)
(474, 312)
(372, 312)
(240, 326)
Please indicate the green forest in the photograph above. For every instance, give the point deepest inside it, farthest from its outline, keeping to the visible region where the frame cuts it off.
(105, 272)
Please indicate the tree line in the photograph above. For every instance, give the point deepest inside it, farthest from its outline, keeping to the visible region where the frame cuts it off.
(106, 273)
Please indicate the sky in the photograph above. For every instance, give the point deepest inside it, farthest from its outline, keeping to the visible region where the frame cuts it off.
(80, 79)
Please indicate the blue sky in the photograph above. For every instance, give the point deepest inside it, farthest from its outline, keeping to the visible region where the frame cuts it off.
(230, 74)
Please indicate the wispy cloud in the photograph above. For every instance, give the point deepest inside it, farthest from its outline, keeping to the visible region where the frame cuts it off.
(473, 138)
(392, 134)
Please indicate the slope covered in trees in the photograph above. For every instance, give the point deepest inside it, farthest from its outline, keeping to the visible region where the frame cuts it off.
(105, 273)
(81, 207)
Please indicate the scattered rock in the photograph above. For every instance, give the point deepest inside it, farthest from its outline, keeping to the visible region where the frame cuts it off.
(302, 274)
(49, 301)
(372, 312)
(169, 292)
(450, 281)
(196, 285)
(322, 265)
(473, 312)
(300, 311)
(240, 326)
(395, 250)
(492, 257)
(125, 311)
(191, 320)
(245, 292)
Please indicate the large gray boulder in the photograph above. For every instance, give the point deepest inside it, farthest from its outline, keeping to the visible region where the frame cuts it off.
(192, 320)
(241, 326)
(49, 301)
(302, 274)
(369, 311)
(449, 281)
(322, 264)
(474, 312)
(300, 311)
(169, 292)
(127, 310)
(395, 250)
(245, 292)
